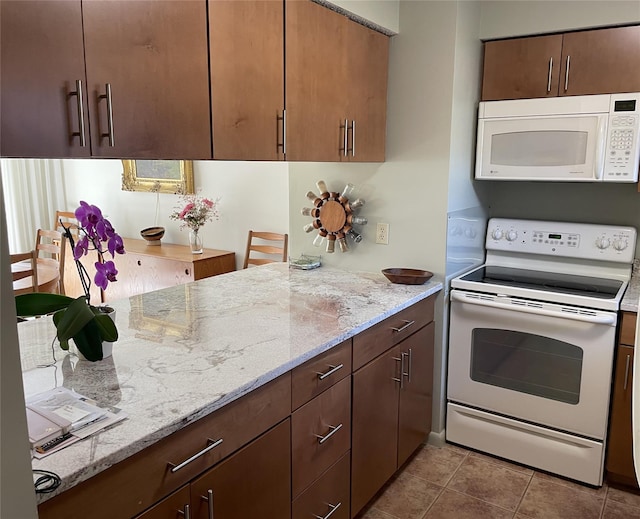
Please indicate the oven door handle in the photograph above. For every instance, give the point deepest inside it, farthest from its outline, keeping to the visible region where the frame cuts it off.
(595, 319)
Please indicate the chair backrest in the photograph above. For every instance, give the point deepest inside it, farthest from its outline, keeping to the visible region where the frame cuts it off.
(50, 249)
(26, 269)
(270, 247)
(68, 218)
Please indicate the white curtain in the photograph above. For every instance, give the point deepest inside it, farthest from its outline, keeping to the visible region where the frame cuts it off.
(33, 192)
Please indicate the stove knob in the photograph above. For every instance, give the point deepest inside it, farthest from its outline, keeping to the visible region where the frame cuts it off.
(603, 243)
(512, 235)
(497, 234)
(620, 244)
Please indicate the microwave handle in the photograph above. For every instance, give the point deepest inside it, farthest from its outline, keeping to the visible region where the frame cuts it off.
(595, 319)
(601, 144)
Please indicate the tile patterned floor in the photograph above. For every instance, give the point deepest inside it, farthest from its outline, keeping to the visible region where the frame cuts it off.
(454, 483)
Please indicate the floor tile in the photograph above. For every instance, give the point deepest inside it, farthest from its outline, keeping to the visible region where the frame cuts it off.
(490, 482)
(453, 505)
(374, 513)
(617, 510)
(435, 464)
(598, 491)
(502, 463)
(628, 498)
(549, 500)
(407, 497)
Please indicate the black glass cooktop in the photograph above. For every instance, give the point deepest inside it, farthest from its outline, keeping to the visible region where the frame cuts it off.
(552, 282)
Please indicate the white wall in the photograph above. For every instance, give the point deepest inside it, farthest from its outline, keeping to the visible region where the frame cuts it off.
(253, 195)
(17, 496)
(501, 19)
(381, 12)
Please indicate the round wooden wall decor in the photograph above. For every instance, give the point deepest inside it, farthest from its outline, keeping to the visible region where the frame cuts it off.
(333, 216)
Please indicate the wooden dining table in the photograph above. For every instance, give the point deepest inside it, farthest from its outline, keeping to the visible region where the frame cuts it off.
(48, 276)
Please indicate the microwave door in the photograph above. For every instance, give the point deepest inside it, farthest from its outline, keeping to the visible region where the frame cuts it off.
(551, 148)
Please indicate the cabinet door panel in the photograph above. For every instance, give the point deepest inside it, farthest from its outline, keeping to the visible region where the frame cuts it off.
(254, 482)
(316, 81)
(247, 78)
(154, 56)
(42, 57)
(519, 68)
(601, 61)
(374, 437)
(171, 507)
(417, 393)
(620, 444)
(368, 52)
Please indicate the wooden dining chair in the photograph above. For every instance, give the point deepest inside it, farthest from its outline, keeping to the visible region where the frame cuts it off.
(270, 247)
(68, 218)
(50, 251)
(27, 269)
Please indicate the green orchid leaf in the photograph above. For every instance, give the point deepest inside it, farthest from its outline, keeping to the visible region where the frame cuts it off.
(56, 319)
(32, 304)
(107, 327)
(89, 341)
(75, 318)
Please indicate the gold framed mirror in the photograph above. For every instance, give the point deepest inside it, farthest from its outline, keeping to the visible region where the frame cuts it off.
(158, 176)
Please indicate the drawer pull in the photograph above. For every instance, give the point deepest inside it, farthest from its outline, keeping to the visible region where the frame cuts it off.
(334, 429)
(212, 445)
(626, 372)
(402, 373)
(333, 509)
(209, 499)
(186, 513)
(403, 328)
(322, 376)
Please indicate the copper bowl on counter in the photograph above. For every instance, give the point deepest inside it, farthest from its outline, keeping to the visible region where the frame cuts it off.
(407, 276)
(152, 235)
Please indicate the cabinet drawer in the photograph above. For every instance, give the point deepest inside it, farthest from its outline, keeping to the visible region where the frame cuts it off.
(313, 377)
(382, 336)
(320, 434)
(171, 506)
(138, 482)
(329, 492)
(628, 328)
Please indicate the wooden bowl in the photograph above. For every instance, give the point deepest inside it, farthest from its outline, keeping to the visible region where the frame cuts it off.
(407, 276)
(152, 234)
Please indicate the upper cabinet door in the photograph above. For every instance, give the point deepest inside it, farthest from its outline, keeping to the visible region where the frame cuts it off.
(367, 86)
(316, 82)
(522, 68)
(601, 61)
(247, 79)
(147, 78)
(42, 61)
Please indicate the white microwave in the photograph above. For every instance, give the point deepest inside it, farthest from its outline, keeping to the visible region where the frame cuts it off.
(566, 139)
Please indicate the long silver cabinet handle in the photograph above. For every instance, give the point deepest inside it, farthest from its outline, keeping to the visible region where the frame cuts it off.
(209, 499)
(186, 513)
(283, 144)
(353, 138)
(109, 98)
(334, 429)
(322, 376)
(212, 445)
(409, 367)
(333, 509)
(566, 74)
(626, 372)
(549, 75)
(401, 379)
(80, 104)
(346, 139)
(403, 328)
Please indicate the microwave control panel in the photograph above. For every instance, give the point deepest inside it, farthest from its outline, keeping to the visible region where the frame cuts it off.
(562, 239)
(622, 151)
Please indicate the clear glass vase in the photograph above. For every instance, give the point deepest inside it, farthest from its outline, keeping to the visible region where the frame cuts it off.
(195, 241)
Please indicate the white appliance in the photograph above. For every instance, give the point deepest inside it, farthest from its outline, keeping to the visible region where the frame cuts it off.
(575, 138)
(531, 344)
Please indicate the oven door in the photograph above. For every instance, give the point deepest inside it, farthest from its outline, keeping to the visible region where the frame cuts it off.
(543, 363)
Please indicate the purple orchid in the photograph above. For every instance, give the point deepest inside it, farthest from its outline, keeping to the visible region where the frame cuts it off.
(105, 272)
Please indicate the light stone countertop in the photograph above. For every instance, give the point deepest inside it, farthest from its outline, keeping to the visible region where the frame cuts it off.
(186, 351)
(631, 297)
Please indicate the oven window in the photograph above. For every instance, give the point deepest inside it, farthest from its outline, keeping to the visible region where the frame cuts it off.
(527, 363)
(546, 148)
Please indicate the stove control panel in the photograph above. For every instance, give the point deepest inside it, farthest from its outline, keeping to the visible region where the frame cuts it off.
(562, 239)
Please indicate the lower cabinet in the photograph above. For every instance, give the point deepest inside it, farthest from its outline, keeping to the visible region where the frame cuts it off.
(619, 465)
(391, 413)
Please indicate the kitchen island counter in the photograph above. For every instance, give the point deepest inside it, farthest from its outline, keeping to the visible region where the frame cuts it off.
(188, 350)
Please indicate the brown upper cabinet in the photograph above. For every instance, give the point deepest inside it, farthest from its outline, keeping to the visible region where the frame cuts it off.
(599, 61)
(136, 88)
(336, 86)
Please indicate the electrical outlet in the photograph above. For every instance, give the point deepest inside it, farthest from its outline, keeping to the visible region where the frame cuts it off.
(382, 233)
